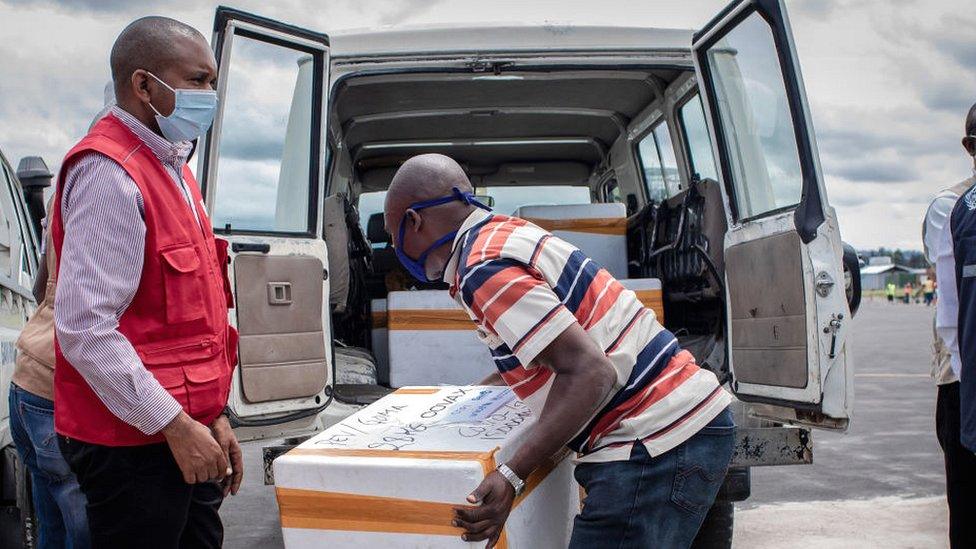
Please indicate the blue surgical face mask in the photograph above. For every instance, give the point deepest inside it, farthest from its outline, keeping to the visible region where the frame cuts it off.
(193, 112)
(417, 267)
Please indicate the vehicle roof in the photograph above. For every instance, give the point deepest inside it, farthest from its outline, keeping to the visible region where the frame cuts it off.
(504, 38)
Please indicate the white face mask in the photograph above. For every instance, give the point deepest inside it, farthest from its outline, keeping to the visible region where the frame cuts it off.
(193, 112)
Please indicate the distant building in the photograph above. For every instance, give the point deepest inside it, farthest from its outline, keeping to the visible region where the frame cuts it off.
(880, 271)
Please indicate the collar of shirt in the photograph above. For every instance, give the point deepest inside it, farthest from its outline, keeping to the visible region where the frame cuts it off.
(473, 219)
(170, 154)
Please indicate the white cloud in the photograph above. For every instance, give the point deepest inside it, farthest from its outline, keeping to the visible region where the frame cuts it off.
(888, 82)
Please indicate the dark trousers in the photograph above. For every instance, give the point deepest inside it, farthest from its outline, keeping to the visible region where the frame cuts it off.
(960, 465)
(654, 502)
(137, 498)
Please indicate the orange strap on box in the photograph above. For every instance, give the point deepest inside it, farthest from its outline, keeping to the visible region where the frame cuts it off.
(654, 300)
(608, 225)
(457, 319)
(354, 512)
(379, 319)
(429, 319)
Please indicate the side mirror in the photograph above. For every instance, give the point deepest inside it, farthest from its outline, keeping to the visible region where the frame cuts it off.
(34, 177)
(852, 278)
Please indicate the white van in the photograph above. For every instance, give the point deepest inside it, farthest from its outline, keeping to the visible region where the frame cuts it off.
(703, 139)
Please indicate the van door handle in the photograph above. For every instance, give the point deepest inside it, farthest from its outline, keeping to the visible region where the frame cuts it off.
(239, 247)
(279, 293)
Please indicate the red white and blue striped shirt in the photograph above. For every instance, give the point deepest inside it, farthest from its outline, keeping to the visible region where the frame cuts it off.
(523, 287)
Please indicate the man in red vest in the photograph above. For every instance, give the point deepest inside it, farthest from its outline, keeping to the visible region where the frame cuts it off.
(144, 351)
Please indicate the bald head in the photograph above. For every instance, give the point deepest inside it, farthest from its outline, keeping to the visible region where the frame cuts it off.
(971, 121)
(154, 56)
(427, 176)
(151, 43)
(969, 140)
(421, 178)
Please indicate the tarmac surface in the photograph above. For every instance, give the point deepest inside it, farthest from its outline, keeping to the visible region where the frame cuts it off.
(881, 484)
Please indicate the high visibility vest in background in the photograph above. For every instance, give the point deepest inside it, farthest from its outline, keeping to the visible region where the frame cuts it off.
(963, 227)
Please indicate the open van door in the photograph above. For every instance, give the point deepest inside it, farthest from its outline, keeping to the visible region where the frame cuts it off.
(789, 318)
(262, 170)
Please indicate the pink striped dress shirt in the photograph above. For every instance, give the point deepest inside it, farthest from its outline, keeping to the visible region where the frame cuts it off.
(101, 265)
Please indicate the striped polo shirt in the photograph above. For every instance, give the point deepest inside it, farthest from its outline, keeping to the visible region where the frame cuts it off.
(523, 287)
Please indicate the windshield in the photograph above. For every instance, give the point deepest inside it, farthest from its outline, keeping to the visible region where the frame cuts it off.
(507, 199)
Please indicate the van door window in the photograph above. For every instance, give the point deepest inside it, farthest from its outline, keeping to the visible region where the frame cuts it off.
(658, 163)
(507, 199)
(754, 111)
(697, 140)
(264, 179)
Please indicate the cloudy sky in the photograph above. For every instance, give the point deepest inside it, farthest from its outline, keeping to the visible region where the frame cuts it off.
(889, 81)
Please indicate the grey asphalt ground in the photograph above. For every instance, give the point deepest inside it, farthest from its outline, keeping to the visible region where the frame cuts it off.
(878, 485)
(890, 448)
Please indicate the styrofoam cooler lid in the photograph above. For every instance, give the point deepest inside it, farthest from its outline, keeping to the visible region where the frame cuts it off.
(641, 283)
(573, 211)
(430, 419)
(421, 299)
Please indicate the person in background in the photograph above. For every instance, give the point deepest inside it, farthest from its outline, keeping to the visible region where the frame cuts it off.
(960, 462)
(890, 292)
(928, 287)
(58, 501)
(144, 353)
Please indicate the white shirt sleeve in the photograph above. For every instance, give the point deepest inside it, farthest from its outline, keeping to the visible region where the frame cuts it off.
(947, 307)
(935, 219)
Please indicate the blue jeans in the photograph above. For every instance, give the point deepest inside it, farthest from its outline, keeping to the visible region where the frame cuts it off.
(58, 502)
(654, 502)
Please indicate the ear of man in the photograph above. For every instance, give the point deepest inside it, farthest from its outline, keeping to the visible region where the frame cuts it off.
(969, 141)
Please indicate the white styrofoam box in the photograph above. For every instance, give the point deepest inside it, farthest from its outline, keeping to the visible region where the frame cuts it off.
(605, 243)
(380, 339)
(432, 341)
(391, 474)
(641, 284)
(649, 291)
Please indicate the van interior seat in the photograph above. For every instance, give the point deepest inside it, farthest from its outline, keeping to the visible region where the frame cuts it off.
(599, 230)
(691, 227)
(384, 256)
(336, 235)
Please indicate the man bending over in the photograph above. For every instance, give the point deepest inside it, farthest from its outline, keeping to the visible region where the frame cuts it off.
(600, 373)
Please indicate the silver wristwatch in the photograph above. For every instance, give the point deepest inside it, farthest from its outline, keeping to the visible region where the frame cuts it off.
(512, 479)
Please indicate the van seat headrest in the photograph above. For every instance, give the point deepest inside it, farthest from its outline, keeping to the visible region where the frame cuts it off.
(375, 231)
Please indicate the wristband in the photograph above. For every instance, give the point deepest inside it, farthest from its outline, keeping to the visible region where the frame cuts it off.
(512, 479)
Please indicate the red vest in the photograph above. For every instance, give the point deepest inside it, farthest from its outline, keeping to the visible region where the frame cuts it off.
(177, 321)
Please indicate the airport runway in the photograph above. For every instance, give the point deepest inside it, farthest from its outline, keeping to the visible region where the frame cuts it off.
(875, 486)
